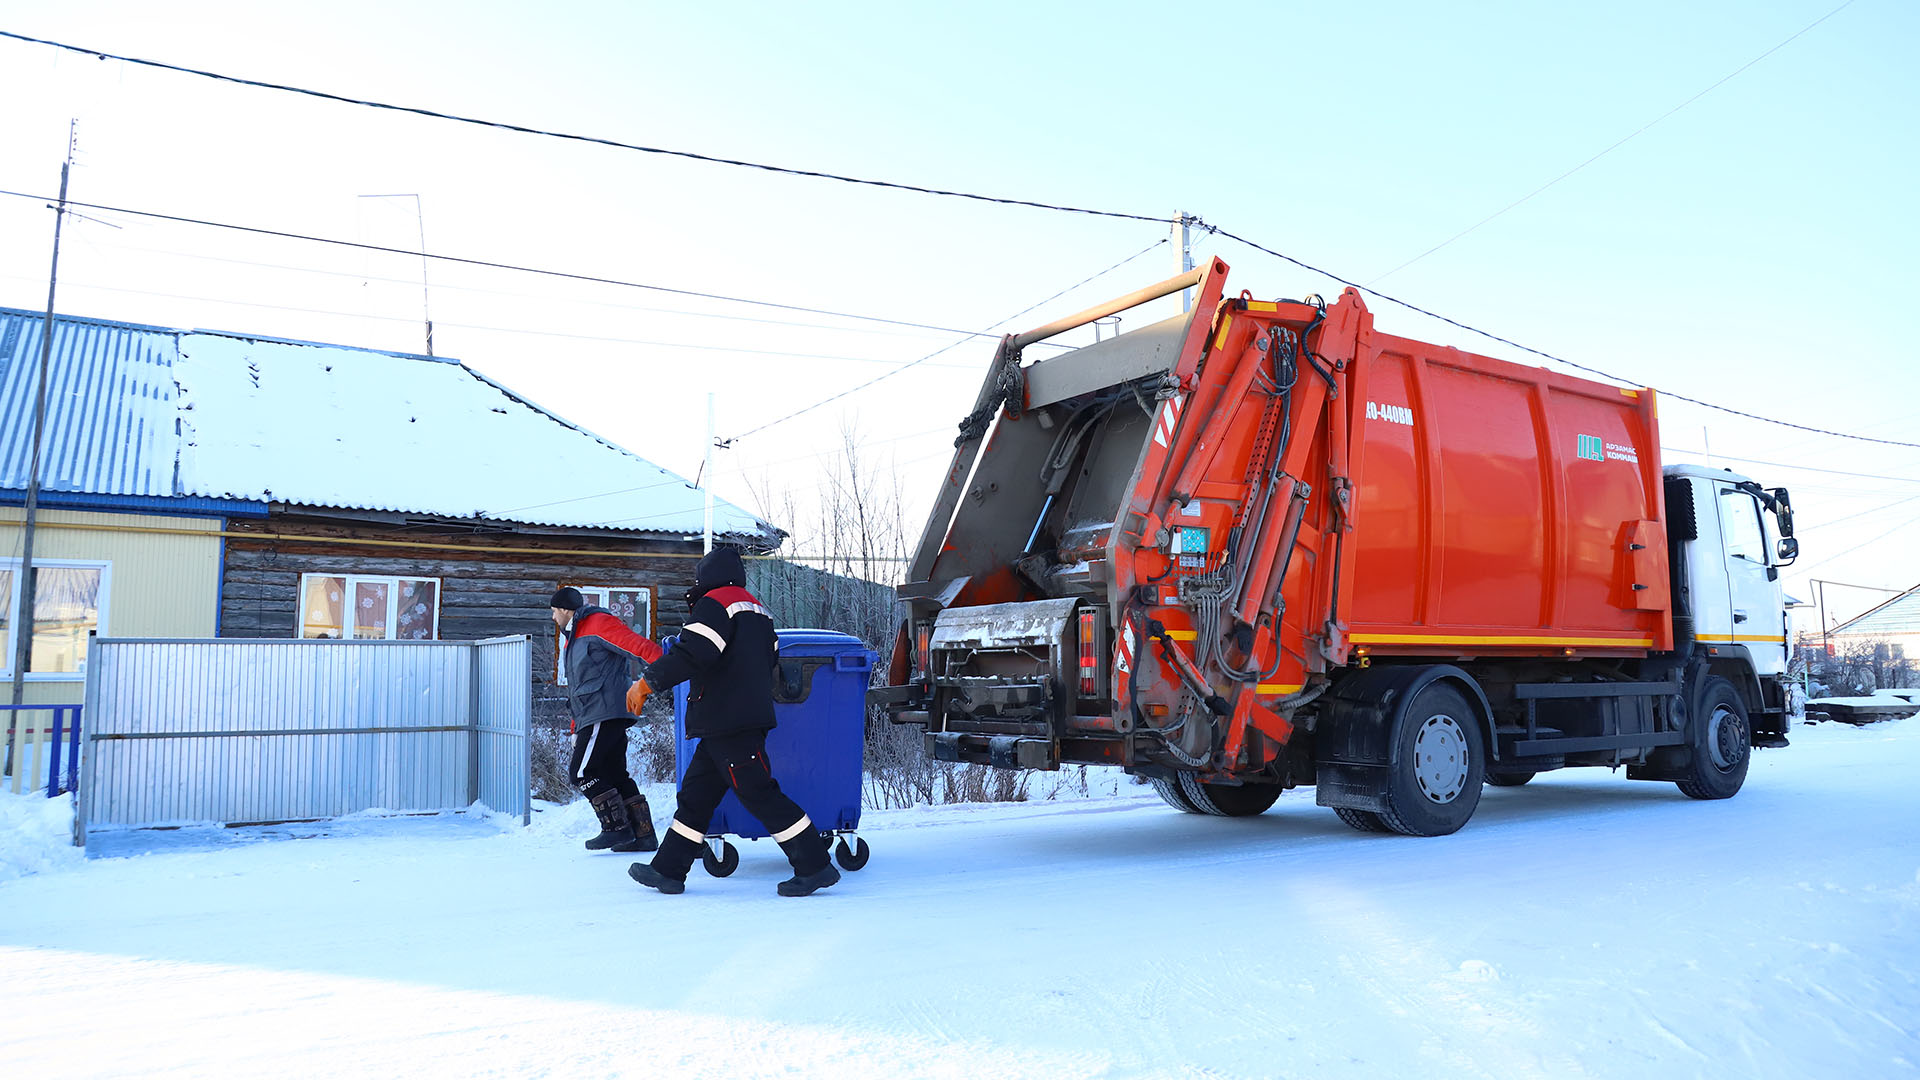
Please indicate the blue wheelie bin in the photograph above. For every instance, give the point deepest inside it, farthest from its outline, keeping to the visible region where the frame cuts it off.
(817, 747)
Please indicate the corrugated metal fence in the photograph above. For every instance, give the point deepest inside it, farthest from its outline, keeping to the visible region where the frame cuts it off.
(239, 731)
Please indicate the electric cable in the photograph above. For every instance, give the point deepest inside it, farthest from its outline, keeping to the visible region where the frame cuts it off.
(1558, 360)
(1617, 145)
(615, 143)
(489, 264)
(942, 349)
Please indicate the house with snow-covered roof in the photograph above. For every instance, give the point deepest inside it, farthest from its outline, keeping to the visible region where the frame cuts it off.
(199, 483)
(1894, 624)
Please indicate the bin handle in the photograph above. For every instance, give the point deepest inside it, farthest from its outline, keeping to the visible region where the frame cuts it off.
(860, 661)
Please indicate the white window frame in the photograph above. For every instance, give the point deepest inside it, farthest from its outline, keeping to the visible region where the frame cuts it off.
(598, 596)
(13, 609)
(391, 581)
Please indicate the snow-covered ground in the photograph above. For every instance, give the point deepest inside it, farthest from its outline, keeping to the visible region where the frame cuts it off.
(1583, 925)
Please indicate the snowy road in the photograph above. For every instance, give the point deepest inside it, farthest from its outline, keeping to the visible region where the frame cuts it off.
(1581, 926)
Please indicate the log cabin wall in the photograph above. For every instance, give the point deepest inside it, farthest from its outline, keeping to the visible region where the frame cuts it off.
(483, 592)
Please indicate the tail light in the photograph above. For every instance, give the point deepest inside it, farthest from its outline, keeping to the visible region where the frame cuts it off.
(1089, 627)
(922, 636)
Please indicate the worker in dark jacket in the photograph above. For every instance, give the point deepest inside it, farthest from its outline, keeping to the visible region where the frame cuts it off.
(598, 646)
(727, 652)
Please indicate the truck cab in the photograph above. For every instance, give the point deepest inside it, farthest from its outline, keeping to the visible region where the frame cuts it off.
(1730, 539)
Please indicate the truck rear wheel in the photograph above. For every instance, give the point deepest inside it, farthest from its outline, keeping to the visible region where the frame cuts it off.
(1719, 738)
(1228, 800)
(1364, 820)
(1173, 795)
(1438, 765)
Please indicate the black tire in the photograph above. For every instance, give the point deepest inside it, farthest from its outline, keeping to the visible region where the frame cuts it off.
(851, 858)
(1173, 795)
(1364, 820)
(1229, 800)
(1719, 736)
(1438, 764)
(1509, 779)
(727, 862)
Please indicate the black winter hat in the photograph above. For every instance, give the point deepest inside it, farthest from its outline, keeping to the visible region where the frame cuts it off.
(721, 566)
(568, 598)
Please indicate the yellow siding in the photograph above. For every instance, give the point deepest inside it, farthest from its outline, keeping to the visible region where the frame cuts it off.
(160, 586)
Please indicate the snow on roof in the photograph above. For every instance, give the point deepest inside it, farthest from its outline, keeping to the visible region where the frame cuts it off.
(1900, 615)
(260, 419)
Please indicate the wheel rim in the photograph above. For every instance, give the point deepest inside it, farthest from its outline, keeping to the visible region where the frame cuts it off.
(1440, 758)
(1726, 737)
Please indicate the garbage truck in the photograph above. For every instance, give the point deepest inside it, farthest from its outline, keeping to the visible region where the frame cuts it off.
(1265, 544)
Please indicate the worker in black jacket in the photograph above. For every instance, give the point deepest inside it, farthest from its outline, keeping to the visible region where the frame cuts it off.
(727, 651)
(598, 646)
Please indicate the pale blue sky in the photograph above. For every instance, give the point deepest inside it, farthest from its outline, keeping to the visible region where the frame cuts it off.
(1752, 249)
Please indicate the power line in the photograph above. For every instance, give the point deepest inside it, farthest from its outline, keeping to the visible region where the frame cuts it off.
(615, 143)
(489, 264)
(1537, 352)
(944, 348)
(924, 326)
(1615, 146)
(1784, 465)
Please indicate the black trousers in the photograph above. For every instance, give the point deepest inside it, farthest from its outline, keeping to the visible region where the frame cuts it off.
(737, 763)
(599, 761)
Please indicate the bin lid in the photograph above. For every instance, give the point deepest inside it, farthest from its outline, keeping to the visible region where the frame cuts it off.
(802, 641)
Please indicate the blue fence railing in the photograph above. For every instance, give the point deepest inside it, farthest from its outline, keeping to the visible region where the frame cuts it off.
(63, 744)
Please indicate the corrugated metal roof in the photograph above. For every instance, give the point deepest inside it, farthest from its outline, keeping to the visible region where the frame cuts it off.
(1900, 615)
(110, 426)
(147, 411)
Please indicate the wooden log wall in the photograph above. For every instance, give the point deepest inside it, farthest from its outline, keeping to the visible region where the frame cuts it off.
(482, 593)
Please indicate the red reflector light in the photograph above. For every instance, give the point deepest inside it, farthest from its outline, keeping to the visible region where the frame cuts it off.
(1087, 669)
(922, 633)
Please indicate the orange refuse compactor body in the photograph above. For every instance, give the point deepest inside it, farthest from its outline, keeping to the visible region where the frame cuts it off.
(1174, 549)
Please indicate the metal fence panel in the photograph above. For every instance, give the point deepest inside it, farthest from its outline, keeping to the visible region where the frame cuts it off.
(502, 753)
(234, 731)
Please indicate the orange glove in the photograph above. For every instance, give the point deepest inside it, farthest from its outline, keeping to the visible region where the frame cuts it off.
(637, 695)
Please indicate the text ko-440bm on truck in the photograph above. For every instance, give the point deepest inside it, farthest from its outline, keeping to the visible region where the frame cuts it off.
(1265, 544)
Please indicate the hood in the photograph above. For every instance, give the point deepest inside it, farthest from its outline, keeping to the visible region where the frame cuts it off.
(721, 566)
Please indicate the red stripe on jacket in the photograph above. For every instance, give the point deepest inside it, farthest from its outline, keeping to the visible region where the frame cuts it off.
(611, 630)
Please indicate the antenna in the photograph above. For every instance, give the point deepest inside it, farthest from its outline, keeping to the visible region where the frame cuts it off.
(426, 310)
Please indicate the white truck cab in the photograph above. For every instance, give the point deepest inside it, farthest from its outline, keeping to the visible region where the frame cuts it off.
(1728, 569)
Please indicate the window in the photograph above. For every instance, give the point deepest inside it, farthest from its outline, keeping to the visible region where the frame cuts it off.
(366, 607)
(69, 603)
(632, 605)
(1740, 518)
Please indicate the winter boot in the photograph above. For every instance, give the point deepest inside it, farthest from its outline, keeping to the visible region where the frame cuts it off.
(645, 874)
(640, 823)
(808, 884)
(612, 812)
(806, 850)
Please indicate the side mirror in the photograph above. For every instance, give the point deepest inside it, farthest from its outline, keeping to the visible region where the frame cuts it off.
(1788, 550)
(1783, 512)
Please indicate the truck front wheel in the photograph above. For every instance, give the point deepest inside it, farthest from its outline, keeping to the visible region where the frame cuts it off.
(1719, 738)
(1438, 765)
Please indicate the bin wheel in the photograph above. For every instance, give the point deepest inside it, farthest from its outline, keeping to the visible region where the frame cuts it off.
(722, 864)
(851, 858)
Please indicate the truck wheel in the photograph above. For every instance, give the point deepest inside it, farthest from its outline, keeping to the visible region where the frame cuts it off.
(1433, 783)
(1173, 795)
(1719, 740)
(1509, 779)
(1364, 820)
(1228, 800)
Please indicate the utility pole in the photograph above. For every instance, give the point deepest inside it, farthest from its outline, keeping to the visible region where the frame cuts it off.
(1186, 256)
(706, 477)
(23, 617)
(426, 309)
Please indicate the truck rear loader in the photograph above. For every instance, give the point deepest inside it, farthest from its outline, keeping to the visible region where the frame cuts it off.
(1265, 544)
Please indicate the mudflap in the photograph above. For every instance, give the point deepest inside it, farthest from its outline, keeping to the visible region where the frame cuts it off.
(1354, 743)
